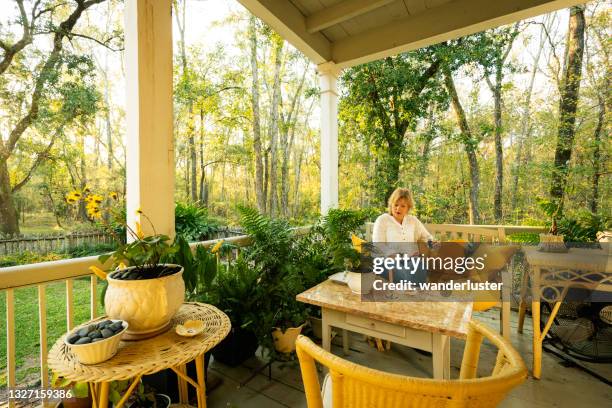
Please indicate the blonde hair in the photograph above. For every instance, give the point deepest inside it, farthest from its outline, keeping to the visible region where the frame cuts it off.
(398, 194)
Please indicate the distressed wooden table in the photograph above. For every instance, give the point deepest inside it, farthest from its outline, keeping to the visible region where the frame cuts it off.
(551, 275)
(137, 358)
(423, 325)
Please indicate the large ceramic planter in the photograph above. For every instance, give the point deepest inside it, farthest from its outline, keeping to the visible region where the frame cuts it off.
(147, 305)
(284, 342)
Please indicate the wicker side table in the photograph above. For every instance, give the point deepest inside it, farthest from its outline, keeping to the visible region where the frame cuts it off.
(137, 358)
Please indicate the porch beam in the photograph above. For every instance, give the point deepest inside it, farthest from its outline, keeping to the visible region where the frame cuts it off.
(328, 79)
(340, 12)
(290, 24)
(437, 24)
(150, 144)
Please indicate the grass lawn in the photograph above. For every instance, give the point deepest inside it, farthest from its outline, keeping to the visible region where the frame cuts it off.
(44, 223)
(27, 348)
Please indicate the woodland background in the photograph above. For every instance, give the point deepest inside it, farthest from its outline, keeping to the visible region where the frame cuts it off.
(484, 129)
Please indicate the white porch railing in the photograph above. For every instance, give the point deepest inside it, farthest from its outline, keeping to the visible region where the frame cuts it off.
(41, 274)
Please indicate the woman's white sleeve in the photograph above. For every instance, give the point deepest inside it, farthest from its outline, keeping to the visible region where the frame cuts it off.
(422, 233)
(379, 231)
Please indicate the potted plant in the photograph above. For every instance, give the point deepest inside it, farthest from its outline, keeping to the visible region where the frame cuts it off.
(147, 293)
(551, 241)
(79, 392)
(237, 292)
(289, 321)
(339, 227)
(141, 289)
(143, 396)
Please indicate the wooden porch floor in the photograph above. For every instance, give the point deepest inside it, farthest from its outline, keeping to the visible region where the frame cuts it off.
(560, 386)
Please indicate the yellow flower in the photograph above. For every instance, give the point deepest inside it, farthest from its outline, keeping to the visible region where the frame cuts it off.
(97, 198)
(216, 247)
(86, 190)
(139, 211)
(139, 232)
(99, 272)
(113, 195)
(357, 242)
(121, 266)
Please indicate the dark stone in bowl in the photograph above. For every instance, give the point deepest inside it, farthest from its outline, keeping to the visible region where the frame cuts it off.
(106, 333)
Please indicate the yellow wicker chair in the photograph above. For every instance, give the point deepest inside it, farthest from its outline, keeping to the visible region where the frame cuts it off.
(356, 386)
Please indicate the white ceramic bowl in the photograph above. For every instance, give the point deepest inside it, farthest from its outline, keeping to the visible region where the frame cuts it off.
(94, 353)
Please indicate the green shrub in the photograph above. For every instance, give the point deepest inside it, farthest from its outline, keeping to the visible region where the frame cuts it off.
(524, 238)
(193, 223)
(28, 257)
(88, 249)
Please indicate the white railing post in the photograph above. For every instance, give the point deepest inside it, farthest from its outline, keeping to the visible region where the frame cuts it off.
(149, 115)
(42, 322)
(328, 78)
(10, 342)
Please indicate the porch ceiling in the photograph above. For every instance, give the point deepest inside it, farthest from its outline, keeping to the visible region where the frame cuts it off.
(351, 32)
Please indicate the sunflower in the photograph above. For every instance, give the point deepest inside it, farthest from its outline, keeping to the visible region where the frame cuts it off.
(113, 195)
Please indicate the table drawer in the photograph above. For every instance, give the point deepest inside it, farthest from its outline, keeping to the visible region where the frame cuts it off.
(376, 325)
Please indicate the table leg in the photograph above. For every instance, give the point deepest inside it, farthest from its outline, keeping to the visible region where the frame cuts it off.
(523, 304)
(183, 390)
(201, 381)
(506, 294)
(325, 331)
(345, 341)
(441, 356)
(103, 395)
(535, 315)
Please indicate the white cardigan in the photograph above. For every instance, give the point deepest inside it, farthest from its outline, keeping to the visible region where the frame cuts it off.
(411, 230)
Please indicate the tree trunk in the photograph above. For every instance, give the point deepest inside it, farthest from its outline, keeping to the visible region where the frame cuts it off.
(469, 143)
(597, 151)
(259, 186)
(83, 168)
(391, 167)
(194, 162)
(274, 125)
(9, 223)
(107, 116)
(499, 153)
(568, 104)
(298, 172)
(203, 187)
(266, 177)
(525, 123)
(287, 141)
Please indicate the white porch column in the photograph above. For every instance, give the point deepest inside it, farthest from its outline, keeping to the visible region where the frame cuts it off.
(150, 144)
(328, 76)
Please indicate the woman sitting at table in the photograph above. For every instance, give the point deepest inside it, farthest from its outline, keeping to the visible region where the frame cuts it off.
(401, 232)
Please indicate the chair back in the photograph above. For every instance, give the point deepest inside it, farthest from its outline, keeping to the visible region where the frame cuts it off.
(356, 386)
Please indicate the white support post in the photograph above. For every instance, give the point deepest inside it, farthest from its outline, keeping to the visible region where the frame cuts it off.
(328, 78)
(150, 144)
